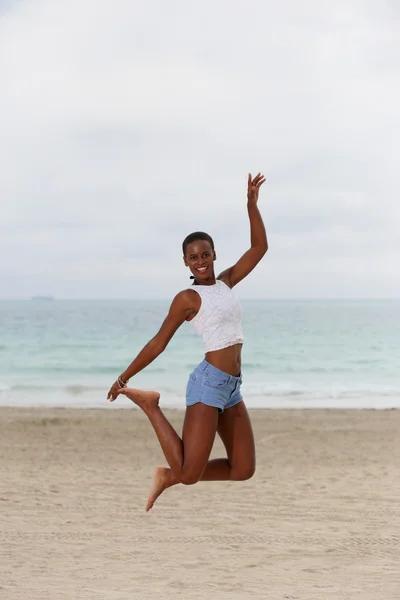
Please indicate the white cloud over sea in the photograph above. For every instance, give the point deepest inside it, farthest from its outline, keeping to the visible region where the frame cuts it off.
(126, 125)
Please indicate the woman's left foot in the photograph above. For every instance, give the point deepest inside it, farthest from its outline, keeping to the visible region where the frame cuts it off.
(163, 479)
(145, 400)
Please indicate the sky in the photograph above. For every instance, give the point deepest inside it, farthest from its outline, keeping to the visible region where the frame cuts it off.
(127, 125)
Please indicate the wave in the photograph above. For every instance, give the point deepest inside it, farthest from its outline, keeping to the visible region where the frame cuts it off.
(327, 393)
(253, 390)
(274, 368)
(90, 370)
(72, 389)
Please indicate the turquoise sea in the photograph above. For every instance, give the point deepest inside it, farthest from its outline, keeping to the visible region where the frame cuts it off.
(296, 353)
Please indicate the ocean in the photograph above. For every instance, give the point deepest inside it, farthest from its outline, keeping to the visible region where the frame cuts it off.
(296, 354)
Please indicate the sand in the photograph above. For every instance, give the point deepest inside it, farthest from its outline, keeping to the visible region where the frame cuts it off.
(320, 519)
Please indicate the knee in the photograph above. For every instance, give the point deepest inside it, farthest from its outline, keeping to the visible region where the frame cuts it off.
(190, 478)
(244, 473)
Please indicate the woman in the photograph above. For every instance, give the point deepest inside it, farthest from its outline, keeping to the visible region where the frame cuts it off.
(213, 399)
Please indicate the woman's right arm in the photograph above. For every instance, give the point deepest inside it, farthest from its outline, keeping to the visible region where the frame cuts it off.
(182, 306)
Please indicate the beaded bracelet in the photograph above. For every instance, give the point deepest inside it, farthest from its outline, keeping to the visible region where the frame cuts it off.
(120, 382)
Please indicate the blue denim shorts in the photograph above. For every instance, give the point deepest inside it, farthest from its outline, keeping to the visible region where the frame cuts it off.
(214, 387)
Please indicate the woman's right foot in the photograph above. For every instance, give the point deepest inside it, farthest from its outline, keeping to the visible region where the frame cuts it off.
(163, 479)
(145, 400)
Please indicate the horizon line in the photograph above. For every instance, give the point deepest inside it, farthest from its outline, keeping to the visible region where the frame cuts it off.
(49, 298)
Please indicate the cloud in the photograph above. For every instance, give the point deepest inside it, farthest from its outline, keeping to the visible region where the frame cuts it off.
(127, 125)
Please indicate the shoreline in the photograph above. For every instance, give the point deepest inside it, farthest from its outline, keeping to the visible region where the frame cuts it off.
(181, 409)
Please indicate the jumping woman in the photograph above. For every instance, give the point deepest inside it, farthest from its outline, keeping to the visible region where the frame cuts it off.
(214, 402)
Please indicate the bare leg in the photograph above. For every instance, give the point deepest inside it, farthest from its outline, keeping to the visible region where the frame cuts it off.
(234, 428)
(187, 457)
(236, 433)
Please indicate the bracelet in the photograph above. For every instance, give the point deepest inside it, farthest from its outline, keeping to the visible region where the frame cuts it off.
(121, 382)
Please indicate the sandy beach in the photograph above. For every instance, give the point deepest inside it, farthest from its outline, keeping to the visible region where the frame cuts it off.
(320, 519)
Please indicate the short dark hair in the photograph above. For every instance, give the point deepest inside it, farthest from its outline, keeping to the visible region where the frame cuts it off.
(197, 235)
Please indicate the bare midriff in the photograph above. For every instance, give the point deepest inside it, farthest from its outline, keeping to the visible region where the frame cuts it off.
(228, 359)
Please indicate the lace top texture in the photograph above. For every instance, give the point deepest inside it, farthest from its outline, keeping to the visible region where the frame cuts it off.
(219, 320)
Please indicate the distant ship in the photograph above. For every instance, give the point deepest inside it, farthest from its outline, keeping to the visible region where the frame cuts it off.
(42, 298)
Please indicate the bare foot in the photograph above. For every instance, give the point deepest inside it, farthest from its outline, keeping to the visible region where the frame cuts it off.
(163, 479)
(145, 400)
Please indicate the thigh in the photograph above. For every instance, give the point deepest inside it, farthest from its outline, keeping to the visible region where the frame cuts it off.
(198, 435)
(236, 433)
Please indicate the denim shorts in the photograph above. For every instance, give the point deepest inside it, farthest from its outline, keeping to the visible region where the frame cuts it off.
(213, 387)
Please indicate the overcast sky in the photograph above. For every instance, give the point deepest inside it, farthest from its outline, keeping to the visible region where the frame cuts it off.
(125, 125)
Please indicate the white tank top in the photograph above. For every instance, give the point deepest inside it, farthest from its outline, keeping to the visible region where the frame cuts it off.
(219, 320)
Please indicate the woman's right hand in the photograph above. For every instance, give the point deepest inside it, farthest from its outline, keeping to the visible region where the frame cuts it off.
(115, 390)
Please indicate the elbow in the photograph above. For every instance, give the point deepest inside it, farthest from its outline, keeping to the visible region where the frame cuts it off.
(263, 248)
(158, 346)
(260, 247)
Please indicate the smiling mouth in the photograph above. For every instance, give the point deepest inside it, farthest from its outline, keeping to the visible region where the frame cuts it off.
(202, 269)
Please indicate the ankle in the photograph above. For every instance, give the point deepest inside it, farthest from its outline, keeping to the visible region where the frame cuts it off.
(150, 411)
(170, 478)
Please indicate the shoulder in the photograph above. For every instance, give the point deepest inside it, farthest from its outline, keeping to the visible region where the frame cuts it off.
(186, 299)
(183, 306)
(186, 295)
(186, 303)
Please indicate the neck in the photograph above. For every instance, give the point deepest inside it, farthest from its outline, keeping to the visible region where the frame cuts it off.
(209, 281)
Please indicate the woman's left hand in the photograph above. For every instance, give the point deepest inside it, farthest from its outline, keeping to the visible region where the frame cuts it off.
(253, 187)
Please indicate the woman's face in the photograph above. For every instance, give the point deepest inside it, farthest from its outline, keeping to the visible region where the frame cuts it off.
(199, 257)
